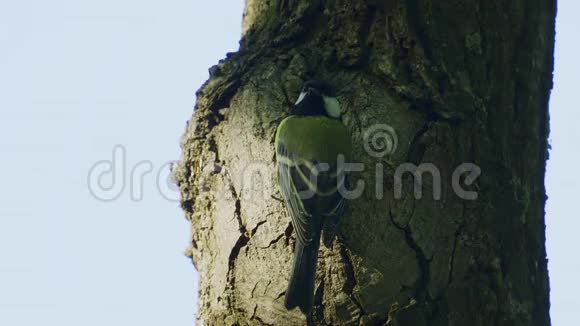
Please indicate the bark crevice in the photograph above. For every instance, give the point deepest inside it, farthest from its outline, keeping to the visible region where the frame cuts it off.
(351, 281)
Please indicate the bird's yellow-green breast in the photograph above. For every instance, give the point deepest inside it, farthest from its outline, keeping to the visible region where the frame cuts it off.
(316, 138)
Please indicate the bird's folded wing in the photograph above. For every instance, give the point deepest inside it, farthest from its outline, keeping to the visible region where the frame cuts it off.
(310, 190)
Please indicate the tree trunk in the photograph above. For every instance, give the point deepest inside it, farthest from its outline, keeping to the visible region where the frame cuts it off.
(458, 82)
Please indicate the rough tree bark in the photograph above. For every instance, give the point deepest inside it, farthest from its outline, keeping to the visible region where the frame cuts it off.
(459, 81)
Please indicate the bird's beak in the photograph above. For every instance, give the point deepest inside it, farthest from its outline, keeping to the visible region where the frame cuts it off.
(301, 97)
(306, 93)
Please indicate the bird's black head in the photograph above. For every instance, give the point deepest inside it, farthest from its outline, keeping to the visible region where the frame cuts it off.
(317, 98)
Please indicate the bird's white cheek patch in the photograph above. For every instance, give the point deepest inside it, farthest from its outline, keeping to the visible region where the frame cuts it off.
(300, 98)
(332, 106)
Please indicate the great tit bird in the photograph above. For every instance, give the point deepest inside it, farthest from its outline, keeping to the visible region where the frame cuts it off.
(309, 144)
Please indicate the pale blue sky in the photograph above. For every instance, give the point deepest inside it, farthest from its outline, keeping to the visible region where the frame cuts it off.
(78, 78)
(563, 176)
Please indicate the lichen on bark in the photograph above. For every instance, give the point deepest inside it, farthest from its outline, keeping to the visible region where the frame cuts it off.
(459, 82)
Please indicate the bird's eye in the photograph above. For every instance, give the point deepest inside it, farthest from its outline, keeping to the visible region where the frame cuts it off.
(314, 91)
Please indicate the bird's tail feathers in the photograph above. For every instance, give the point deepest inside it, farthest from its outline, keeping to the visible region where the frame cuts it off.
(300, 292)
